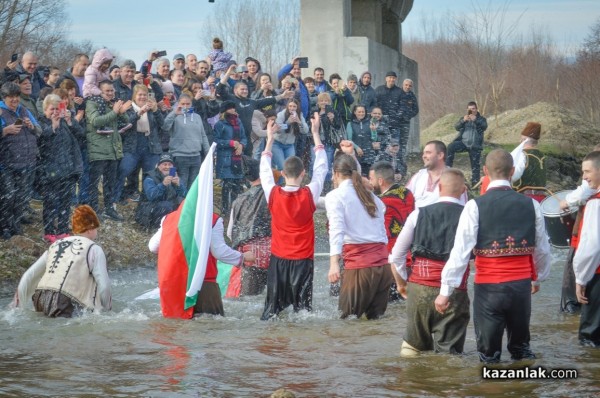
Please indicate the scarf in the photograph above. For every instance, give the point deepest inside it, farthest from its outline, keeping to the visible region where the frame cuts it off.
(143, 124)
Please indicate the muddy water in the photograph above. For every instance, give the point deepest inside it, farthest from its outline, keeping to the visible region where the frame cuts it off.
(133, 351)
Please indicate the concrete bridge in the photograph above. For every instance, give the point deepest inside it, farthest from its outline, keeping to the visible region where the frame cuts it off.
(353, 36)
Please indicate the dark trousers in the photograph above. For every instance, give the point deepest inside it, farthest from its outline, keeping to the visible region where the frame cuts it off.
(499, 306)
(400, 130)
(16, 187)
(56, 197)
(84, 180)
(188, 168)
(128, 167)
(427, 329)
(209, 300)
(107, 169)
(232, 187)
(568, 298)
(474, 157)
(589, 323)
(289, 282)
(365, 291)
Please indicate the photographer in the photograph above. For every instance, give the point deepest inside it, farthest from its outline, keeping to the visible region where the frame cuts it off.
(292, 129)
(162, 192)
(341, 98)
(469, 139)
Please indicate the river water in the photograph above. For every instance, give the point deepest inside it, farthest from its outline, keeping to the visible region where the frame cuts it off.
(132, 351)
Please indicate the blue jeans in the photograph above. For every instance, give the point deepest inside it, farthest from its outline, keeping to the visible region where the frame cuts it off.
(259, 147)
(128, 164)
(281, 152)
(330, 151)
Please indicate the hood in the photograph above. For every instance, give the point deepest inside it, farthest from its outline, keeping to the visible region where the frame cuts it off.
(361, 77)
(101, 56)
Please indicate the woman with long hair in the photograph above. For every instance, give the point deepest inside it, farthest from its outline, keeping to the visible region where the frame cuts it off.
(292, 128)
(357, 234)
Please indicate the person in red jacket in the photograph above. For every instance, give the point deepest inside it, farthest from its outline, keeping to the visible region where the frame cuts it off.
(291, 266)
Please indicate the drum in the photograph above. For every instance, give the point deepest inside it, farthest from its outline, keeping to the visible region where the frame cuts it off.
(559, 224)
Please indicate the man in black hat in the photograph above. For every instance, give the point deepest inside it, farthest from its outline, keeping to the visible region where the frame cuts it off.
(399, 105)
(162, 193)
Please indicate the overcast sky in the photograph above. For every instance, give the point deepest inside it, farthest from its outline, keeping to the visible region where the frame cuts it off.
(117, 24)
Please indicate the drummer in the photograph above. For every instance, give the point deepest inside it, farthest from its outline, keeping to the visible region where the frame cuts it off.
(576, 198)
(529, 177)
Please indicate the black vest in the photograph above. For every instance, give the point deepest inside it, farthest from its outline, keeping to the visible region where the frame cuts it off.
(506, 224)
(435, 230)
(251, 216)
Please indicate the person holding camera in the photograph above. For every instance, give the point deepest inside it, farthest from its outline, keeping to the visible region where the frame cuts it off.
(292, 129)
(341, 98)
(61, 165)
(469, 139)
(18, 157)
(162, 192)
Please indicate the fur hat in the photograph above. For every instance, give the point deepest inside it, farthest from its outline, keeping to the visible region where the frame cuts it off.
(532, 130)
(84, 219)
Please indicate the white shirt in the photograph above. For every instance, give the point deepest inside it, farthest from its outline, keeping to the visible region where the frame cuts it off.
(218, 247)
(349, 221)
(97, 263)
(587, 256)
(580, 196)
(519, 161)
(406, 237)
(316, 183)
(427, 192)
(466, 239)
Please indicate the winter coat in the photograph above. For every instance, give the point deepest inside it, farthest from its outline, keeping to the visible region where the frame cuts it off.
(188, 137)
(37, 80)
(100, 116)
(131, 136)
(471, 132)
(368, 98)
(341, 103)
(60, 156)
(18, 151)
(124, 93)
(68, 75)
(219, 59)
(225, 152)
(93, 76)
(206, 110)
(304, 96)
(397, 104)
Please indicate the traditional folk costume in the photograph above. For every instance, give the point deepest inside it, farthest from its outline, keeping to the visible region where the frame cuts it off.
(361, 241)
(586, 265)
(167, 238)
(431, 230)
(577, 198)
(529, 177)
(426, 191)
(399, 203)
(250, 230)
(70, 276)
(291, 266)
(508, 234)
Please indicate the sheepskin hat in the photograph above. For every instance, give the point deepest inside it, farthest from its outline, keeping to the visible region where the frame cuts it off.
(532, 130)
(84, 219)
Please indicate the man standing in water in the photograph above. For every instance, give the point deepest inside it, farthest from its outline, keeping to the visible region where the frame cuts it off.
(586, 263)
(71, 275)
(508, 233)
(430, 231)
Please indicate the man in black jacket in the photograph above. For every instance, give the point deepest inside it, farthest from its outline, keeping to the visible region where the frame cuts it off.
(76, 74)
(399, 105)
(469, 139)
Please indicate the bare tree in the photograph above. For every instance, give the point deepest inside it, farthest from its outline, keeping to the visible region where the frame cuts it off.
(263, 29)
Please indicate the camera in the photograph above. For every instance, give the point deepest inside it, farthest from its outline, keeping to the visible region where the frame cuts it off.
(19, 122)
(162, 53)
(469, 112)
(14, 57)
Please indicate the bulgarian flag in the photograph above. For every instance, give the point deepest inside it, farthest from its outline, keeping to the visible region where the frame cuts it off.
(185, 245)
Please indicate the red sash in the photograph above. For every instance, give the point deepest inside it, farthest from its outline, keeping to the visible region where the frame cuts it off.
(428, 272)
(364, 255)
(504, 269)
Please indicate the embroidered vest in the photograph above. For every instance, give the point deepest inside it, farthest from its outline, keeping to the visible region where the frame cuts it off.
(68, 271)
(399, 203)
(534, 175)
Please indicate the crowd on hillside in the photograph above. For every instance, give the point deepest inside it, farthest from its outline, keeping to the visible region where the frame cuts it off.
(66, 132)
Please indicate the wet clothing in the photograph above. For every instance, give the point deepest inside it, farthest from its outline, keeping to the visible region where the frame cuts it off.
(586, 265)
(425, 190)
(505, 266)
(427, 329)
(365, 291)
(73, 267)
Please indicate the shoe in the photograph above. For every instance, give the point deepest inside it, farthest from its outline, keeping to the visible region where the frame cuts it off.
(589, 343)
(112, 214)
(135, 197)
(571, 308)
(50, 238)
